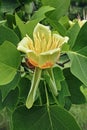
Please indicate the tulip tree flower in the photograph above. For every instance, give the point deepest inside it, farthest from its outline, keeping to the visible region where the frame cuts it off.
(80, 22)
(42, 52)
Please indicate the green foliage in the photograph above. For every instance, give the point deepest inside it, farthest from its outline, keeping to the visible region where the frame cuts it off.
(50, 118)
(79, 112)
(59, 87)
(80, 42)
(78, 55)
(8, 6)
(27, 28)
(78, 66)
(24, 86)
(11, 99)
(74, 84)
(9, 62)
(5, 89)
(8, 35)
(72, 33)
(60, 6)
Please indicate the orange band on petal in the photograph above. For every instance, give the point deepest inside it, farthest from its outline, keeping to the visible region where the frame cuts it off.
(34, 63)
(47, 65)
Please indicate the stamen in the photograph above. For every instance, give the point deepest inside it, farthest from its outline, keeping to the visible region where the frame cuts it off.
(60, 43)
(49, 44)
(37, 44)
(54, 43)
(43, 42)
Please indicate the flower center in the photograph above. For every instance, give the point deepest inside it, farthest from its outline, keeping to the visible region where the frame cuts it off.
(42, 43)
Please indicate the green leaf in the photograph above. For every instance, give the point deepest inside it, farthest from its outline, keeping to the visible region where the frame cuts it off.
(83, 51)
(42, 93)
(1, 106)
(9, 62)
(11, 100)
(68, 103)
(30, 25)
(58, 76)
(72, 34)
(27, 28)
(24, 87)
(10, 19)
(63, 93)
(42, 118)
(2, 22)
(8, 6)
(58, 73)
(57, 26)
(61, 7)
(74, 85)
(79, 66)
(6, 34)
(64, 20)
(78, 56)
(20, 25)
(5, 89)
(40, 13)
(81, 41)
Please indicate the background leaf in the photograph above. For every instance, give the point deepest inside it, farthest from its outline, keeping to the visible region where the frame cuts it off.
(58, 75)
(74, 85)
(20, 24)
(24, 86)
(27, 28)
(61, 8)
(72, 34)
(8, 6)
(57, 26)
(41, 118)
(9, 62)
(78, 66)
(64, 93)
(40, 13)
(6, 34)
(11, 100)
(78, 56)
(81, 40)
(5, 89)
(1, 106)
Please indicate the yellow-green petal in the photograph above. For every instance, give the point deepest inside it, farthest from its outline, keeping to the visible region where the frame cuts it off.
(33, 58)
(43, 31)
(59, 40)
(43, 34)
(48, 59)
(25, 45)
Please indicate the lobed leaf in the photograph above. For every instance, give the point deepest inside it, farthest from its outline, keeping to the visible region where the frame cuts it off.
(78, 66)
(8, 35)
(42, 118)
(5, 89)
(9, 62)
(61, 7)
(74, 85)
